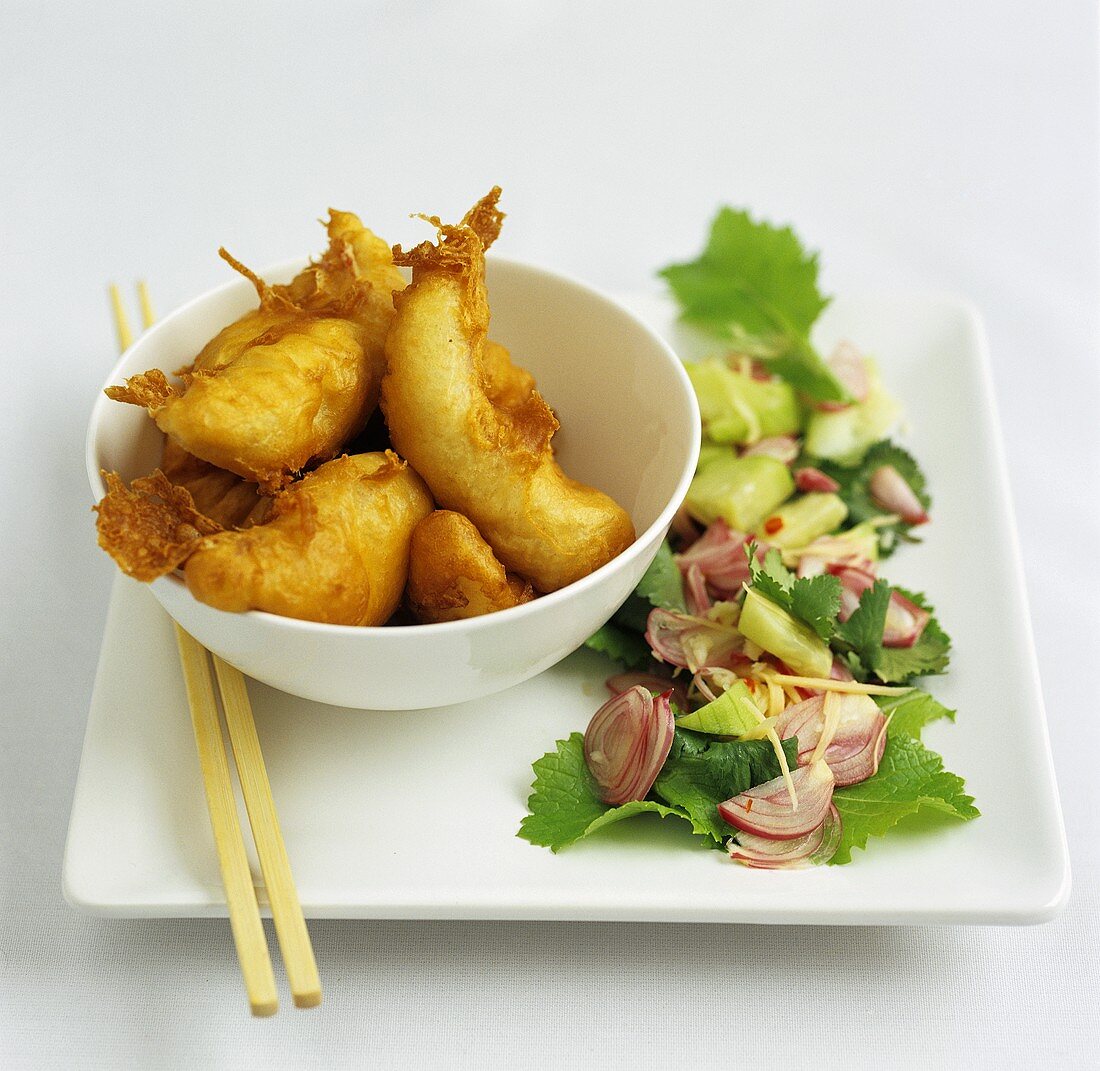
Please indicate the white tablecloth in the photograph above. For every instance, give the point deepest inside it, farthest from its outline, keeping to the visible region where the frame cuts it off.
(925, 144)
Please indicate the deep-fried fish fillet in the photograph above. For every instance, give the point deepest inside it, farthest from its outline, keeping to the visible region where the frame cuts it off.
(454, 574)
(491, 462)
(336, 548)
(290, 382)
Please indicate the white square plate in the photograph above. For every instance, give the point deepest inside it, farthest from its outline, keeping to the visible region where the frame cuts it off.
(414, 815)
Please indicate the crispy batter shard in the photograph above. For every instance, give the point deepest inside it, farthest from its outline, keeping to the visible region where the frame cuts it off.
(335, 550)
(505, 384)
(150, 527)
(453, 572)
(490, 461)
(291, 381)
(485, 218)
(458, 247)
(220, 495)
(150, 389)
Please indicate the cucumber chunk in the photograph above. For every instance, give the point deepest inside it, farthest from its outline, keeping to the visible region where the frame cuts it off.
(800, 522)
(709, 452)
(740, 490)
(771, 627)
(845, 435)
(727, 715)
(739, 409)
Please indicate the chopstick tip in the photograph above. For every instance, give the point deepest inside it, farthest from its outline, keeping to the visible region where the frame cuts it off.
(308, 999)
(263, 1009)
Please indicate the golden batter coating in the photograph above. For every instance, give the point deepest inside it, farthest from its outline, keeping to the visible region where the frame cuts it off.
(491, 462)
(335, 550)
(506, 384)
(220, 495)
(454, 574)
(151, 526)
(290, 382)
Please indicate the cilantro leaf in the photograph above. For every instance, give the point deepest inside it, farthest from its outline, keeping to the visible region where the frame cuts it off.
(861, 635)
(862, 632)
(701, 773)
(930, 654)
(813, 599)
(770, 577)
(911, 712)
(564, 806)
(754, 283)
(855, 490)
(816, 600)
(910, 780)
(622, 645)
(662, 583)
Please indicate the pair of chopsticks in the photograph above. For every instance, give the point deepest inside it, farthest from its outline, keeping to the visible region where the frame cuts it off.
(240, 894)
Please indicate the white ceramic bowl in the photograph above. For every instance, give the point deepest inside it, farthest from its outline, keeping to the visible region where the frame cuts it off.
(629, 426)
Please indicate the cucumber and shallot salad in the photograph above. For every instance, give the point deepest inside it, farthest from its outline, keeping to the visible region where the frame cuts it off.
(765, 689)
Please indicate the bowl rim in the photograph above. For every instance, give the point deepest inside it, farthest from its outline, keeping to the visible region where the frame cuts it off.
(513, 613)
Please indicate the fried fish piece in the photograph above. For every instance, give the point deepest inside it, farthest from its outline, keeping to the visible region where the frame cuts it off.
(453, 572)
(491, 462)
(335, 550)
(291, 381)
(220, 495)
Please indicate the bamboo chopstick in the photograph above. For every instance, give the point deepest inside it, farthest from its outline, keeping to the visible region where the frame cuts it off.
(244, 915)
(240, 895)
(122, 324)
(286, 911)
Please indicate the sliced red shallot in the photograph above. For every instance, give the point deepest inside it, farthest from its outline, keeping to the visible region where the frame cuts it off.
(654, 682)
(719, 554)
(889, 489)
(766, 809)
(702, 683)
(810, 565)
(811, 479)
(627, 742)
(692, 642)
(782, 447)
(665, 630)
(759, 371)
(858, 738)
(695, 589)
(848, 366)
(855, 758)
(905, 622)
(854, 581)
(849, 603)
(840, 671)
(813, 848)
(794, 719)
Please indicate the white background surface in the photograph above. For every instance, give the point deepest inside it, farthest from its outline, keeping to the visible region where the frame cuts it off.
(921, 145)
